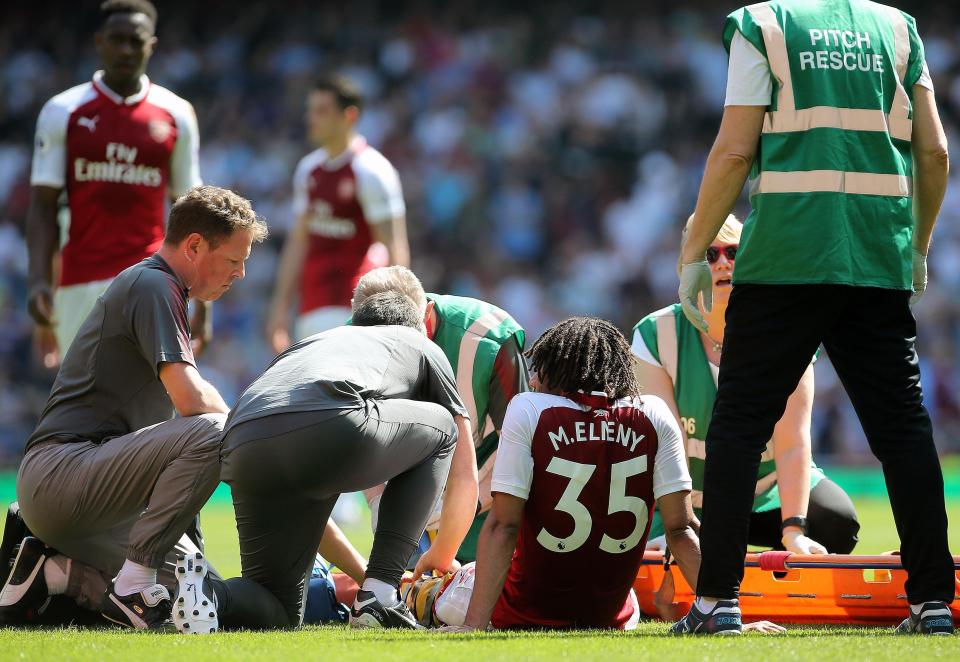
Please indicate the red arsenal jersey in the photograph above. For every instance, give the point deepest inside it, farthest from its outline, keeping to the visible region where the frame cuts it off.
(590, 477)
(339, 199)
(119, 160)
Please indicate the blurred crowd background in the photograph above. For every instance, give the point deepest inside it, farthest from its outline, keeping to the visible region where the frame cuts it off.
(549, 153)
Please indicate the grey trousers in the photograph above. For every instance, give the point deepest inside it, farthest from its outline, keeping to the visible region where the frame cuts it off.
(131, 497)
(286, 472)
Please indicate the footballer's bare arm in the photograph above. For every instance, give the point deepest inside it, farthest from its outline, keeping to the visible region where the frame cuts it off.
(679, 524)
(288, 275)
(459, 505)
(43, 235)
(43, 241)
(337, 548)
(498, 540)
(392, 233)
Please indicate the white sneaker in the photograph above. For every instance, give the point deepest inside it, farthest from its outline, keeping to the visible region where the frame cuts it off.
(195, 605)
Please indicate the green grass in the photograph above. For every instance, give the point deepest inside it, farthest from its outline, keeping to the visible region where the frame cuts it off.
(341, 644)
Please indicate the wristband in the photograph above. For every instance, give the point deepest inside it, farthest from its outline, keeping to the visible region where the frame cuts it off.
(799, 522)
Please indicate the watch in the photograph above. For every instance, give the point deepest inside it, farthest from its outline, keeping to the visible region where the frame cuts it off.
(799, 522)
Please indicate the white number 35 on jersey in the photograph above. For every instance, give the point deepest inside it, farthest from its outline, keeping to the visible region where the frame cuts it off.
(579, 474)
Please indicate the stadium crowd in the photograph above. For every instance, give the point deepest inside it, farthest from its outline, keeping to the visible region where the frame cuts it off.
(548, 160)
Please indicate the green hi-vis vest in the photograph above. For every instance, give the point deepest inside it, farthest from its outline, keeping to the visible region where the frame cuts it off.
(675, 344)
(471, 332)
(831, 185)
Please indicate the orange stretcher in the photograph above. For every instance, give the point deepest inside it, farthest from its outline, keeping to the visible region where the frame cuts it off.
(792, 588)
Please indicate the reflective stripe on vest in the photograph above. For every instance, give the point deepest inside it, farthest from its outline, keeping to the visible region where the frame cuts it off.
(831, 181)
(788, 119)
(667, 344)
(466, 362)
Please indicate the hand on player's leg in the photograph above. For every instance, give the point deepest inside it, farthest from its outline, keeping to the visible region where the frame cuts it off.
(432, 560)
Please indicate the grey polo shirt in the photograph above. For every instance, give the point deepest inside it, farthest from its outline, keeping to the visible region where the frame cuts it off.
(109, 383)
(347, 366)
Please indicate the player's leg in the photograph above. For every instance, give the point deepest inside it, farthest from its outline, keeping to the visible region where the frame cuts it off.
(71, 305)
(873, 348)
(832, 518)
(121, 505)
(437, 601)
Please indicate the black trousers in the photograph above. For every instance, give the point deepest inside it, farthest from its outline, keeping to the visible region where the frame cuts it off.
(771, 333)
(286, 471)
(831, 516)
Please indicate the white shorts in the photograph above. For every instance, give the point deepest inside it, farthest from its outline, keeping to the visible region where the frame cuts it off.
(320, 320)
(451, 605)
(71, 305)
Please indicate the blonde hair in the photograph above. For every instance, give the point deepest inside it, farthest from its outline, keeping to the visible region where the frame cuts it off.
(390, 279)
(729, 233)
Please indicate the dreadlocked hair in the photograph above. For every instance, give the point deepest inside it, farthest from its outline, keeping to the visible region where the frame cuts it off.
(584, 354)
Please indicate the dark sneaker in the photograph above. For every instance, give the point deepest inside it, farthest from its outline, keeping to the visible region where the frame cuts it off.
(934, 618)
(723, 619)
(368, 612)
(25, 596)
(147, 610)
(195, 605)
(14, 531)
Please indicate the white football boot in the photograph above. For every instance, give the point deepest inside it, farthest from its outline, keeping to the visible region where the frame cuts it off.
(195, 605)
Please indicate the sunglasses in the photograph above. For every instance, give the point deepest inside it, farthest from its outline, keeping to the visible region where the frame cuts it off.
(713, 253)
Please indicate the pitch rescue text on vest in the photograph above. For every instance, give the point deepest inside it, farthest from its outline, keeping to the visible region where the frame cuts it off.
(855, 53)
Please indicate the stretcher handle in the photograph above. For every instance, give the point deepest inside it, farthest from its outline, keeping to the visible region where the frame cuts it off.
(777, 561)
(782, 561)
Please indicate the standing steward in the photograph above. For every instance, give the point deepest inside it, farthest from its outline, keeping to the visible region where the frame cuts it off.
(830, 111)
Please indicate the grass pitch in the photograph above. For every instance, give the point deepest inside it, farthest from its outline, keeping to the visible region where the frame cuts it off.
(338, 644)
(332, 643)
